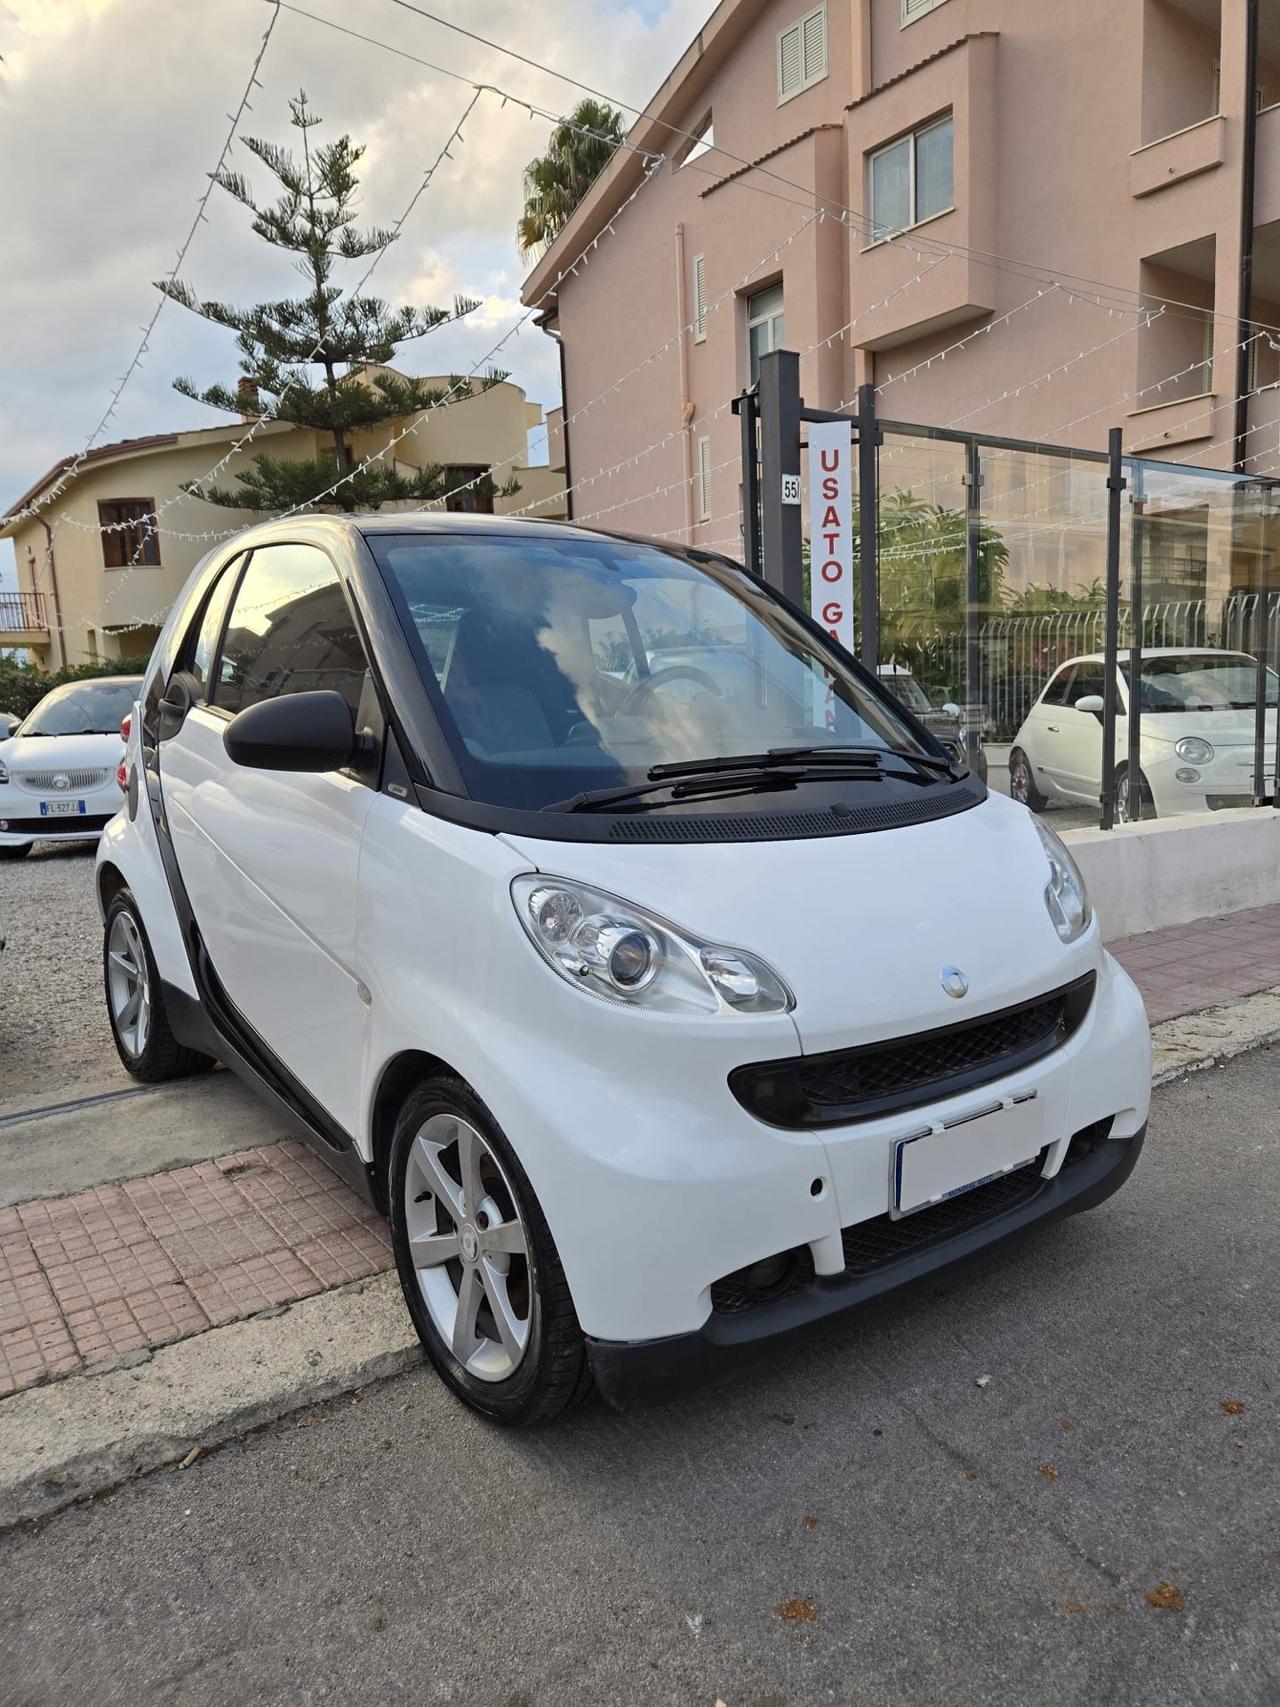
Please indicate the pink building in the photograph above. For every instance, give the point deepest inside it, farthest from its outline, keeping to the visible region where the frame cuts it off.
(875, 181)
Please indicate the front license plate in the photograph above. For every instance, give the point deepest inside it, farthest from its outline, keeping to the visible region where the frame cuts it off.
(61, 808)
(946, 1160)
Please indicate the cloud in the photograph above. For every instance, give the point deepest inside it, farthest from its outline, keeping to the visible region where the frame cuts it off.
(113, 111)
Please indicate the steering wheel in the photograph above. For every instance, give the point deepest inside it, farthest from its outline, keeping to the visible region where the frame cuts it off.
(638, 699)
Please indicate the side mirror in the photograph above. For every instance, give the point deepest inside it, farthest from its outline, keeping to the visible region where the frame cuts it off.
(296, 732)
(951, 708)
(1093, 702)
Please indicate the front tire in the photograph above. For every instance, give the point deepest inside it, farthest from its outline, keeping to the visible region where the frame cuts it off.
(19, 852)
(140, 1026)
(481, 1275)
(1022, 781)
(1148, 804)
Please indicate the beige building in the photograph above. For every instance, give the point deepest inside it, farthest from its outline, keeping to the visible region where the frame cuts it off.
(94, 582)
(1012, 151)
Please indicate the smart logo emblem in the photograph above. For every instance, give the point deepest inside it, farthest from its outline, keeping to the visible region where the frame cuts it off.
(62, 782)
(954, 981)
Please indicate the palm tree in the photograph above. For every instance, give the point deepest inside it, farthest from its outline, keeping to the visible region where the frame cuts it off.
(579, 149)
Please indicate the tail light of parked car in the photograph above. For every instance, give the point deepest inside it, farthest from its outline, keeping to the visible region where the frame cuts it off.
(122, 770)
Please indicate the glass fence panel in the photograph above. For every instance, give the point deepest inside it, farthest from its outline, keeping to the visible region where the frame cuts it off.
(1198, 636)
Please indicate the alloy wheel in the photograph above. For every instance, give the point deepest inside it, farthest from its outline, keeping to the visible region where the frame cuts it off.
(1020, 781)
(469, 1247)
(129, 983)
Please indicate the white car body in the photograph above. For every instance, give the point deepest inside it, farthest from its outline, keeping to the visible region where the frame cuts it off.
(61, 787)
(348, 934)
(1064, 746)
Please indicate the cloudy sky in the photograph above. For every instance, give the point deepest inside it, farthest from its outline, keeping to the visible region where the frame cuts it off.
(112, 112)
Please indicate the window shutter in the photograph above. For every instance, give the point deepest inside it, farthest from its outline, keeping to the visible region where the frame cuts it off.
(913, 9)
(704, 480)
(815, 45)
(699, 299)
(790, 61)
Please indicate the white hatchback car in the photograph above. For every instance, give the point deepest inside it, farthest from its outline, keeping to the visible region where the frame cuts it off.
(1196, 727)
(661, 1022)
(58, 768)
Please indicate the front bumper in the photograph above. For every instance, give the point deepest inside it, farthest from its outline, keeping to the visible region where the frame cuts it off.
(630, 1373)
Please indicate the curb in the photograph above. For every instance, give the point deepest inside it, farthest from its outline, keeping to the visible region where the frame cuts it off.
(69, 1440)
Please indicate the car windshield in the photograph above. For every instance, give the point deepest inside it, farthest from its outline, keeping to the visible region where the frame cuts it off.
(907, 690)
(83, 708)
(563, 665)
(1199, 681)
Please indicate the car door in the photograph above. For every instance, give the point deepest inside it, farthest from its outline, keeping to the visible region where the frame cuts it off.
(1040, 736)
(1079, 746)
(269, 859)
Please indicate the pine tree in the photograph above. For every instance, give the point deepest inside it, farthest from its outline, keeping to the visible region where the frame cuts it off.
(343, 335)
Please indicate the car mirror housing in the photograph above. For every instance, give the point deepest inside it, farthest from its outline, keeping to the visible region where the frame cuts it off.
(951, 708)
(296, 732)
(1092, 702)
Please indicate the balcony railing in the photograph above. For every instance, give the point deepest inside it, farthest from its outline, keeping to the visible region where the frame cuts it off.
(22, 613)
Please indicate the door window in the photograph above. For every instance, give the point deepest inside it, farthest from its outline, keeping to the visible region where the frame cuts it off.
(1058, 688)
(290, 631)
(1089, 679)
(202, 639)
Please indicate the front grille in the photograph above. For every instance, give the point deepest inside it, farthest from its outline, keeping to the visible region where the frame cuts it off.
(846, 1085)
(76, 782)
(872, 1244)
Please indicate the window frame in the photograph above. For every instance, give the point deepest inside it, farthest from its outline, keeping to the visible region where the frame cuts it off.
(914, 10)
(911, 138)
(230, 573)
(763, 320)
(701, 140)
(785, 94)
(113, 531)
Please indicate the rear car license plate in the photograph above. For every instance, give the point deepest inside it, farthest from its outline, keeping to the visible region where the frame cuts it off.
(947, 1160)
(62, 808)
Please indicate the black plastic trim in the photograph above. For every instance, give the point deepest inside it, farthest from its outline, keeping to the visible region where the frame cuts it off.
(641, 1372)
(773, 1091)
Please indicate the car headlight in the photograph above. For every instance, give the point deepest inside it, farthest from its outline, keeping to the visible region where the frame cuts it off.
(628, 955)
(1065, 895)
(1194, 750)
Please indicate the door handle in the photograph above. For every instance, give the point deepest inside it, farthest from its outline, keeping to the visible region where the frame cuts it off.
(1051, 728)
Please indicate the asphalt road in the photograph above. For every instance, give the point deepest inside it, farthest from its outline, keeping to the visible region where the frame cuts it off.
(929, 1539)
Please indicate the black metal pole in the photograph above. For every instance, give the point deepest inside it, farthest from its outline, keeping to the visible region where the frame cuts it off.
(972, 603)
(1111, 639)
(780, 535)
(750, 482)
(1263, 579)
(1136, 598)
(868, 528)
(1248, 176)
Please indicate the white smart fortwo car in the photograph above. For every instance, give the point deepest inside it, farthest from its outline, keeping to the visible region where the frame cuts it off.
(58, 768)
(665, 1008)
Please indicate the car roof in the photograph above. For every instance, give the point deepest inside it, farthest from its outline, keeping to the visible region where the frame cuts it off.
(100, 682)
(1155, 652)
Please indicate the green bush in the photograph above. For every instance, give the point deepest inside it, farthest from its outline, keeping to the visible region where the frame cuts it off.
(23, 686)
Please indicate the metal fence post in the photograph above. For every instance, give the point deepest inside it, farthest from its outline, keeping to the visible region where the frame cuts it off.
(972, 603)
(1259, 627)
(780, 537)
(747, 412)
(1137, 635)
(1111, 642)
(868, 529)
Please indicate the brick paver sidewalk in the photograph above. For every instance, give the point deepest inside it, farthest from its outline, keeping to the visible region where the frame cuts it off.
(124, 1268)
(87, 1279)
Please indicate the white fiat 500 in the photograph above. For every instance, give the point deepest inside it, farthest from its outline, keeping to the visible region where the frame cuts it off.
(665, 1009)
(58, 769)
(1196, 733)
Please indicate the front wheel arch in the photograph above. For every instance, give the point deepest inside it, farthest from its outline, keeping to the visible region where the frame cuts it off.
(397, 1080)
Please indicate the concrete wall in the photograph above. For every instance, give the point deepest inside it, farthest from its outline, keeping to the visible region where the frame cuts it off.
(1142, 877)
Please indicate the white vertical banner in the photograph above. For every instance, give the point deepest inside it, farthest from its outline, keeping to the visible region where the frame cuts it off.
(831, 528)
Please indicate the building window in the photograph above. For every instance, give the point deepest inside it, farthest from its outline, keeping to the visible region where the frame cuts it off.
(913, 9)
(702, 142)
(802, 54)
(131, 538)
(704, 480)
(913, 178)
(766, 329)
(476, 494)
(699, 299)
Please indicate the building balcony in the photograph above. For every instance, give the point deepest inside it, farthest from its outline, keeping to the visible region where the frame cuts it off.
(23, 620)
(1172, 159)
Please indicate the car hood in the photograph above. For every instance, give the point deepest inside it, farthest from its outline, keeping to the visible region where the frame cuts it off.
(60, 752)
(1224, 728)
(859, 926)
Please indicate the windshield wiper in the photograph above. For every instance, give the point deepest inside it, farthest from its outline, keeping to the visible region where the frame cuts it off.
(826, 754)
(713, 780)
